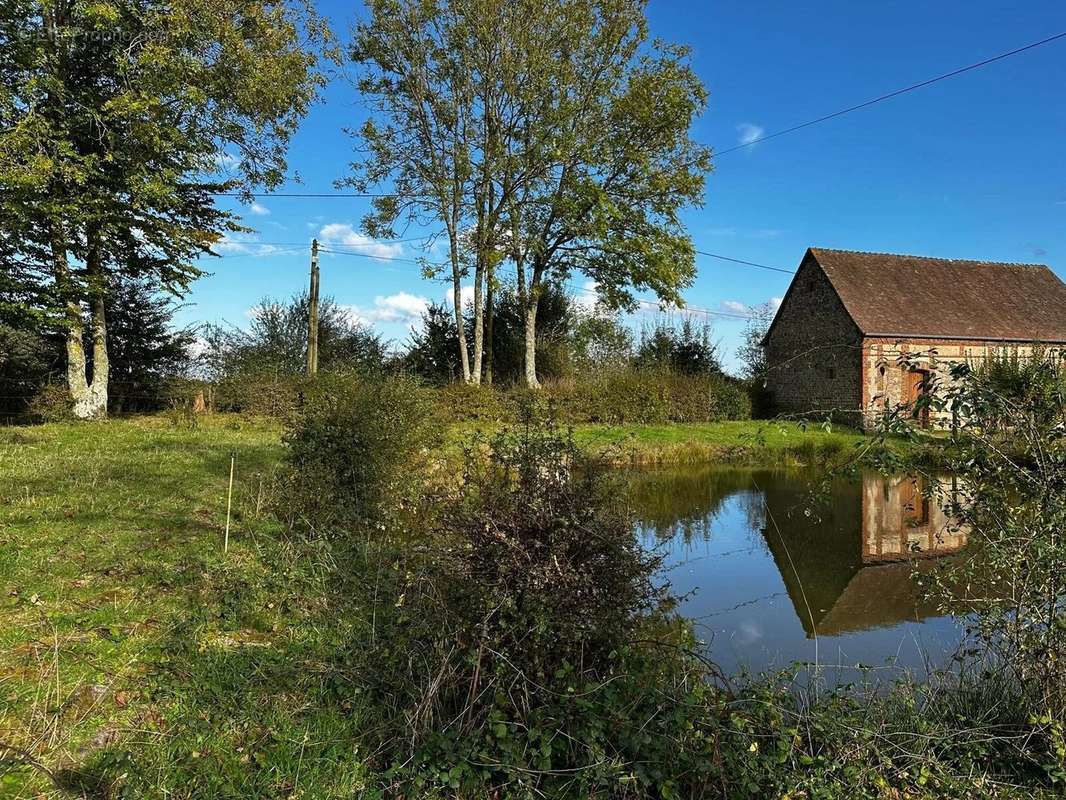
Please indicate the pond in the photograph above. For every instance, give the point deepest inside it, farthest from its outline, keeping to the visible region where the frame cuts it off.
(771, 574)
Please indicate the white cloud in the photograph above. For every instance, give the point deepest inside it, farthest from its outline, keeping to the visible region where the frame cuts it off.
(225, 162)
(343, 234)
(587, 296)
(734, 307)
(198, 347)
(748, 133)
(466, 294)
(259, 209)
(776, 302)
(399, 307)
(240, 245)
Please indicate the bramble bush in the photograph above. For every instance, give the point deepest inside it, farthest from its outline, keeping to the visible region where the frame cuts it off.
(511, 641)
(521, 647)
(358, 452)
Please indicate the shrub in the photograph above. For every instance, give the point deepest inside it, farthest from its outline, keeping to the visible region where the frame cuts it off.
(53, 403)
(262, 394)
(507, 652)
(357, 453)
(641, 397)
(466, 402)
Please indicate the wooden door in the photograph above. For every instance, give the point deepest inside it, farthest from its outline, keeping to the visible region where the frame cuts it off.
(913, 389)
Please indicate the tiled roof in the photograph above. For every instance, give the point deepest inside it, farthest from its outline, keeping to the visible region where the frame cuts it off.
(899, 295)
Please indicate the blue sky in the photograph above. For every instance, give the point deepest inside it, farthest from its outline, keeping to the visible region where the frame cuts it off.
(972, 167)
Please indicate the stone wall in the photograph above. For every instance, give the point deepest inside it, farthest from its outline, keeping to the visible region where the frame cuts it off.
(813, 350)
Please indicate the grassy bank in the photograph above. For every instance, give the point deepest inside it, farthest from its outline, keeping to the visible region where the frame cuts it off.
(749, 442)
(740, 442)
(131, 645)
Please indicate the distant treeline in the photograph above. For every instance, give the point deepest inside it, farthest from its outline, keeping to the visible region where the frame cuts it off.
(593, 367)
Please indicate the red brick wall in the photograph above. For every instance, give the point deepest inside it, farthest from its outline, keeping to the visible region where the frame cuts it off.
(883, 371)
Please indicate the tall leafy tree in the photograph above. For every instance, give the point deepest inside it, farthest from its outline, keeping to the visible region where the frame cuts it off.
(548, 131)
(111, 114)
(416, 77)
(612, 160)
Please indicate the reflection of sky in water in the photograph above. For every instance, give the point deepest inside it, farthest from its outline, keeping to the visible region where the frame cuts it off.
(748, 589)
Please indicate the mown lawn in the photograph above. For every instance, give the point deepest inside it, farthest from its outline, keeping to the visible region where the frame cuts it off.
(131, 645)
(123, 624)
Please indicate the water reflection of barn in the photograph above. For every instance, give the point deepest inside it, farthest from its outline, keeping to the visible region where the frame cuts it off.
(850, 567)
(849, 558)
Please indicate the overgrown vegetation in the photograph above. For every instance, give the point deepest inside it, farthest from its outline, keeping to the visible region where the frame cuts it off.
(1007, 462)
(380, 626)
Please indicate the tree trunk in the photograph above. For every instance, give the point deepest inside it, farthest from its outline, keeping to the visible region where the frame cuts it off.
(479, 321)
(489, 350)
(90, 399)
(531, 341)
(457, 302)
(76, 384)
(94, 404)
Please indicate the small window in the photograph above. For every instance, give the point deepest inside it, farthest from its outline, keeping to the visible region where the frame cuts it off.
(881, 369)
(831, 373)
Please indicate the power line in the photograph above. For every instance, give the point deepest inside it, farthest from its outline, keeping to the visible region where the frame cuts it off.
(316, 194)
(895, 93)
(652, 303)
(746, 263)
(700, 252)
(368, 255)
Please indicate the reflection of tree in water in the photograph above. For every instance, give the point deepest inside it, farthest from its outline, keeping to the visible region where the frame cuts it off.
(685, 501)
(845, 558)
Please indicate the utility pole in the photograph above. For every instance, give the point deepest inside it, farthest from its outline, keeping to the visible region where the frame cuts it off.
(312, 316)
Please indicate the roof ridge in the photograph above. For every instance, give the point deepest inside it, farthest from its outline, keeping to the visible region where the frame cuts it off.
(930, 258)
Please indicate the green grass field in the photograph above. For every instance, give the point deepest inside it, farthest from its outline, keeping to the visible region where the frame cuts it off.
(110, 542)
(745, 441)
(124, 628)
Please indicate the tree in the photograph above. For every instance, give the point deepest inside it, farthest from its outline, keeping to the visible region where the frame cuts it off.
(111, 114)
(687, 349)
(600, 341)
(610, 157)
(545, 131)
(433, 352)
(416, 77)
(276, 341)
(144, 347)
(554, 328)
(751, 353)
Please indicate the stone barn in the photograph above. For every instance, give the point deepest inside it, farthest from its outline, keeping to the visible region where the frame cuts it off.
(859, 332)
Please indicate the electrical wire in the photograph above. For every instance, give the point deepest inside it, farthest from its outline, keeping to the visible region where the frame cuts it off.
(890, 95)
